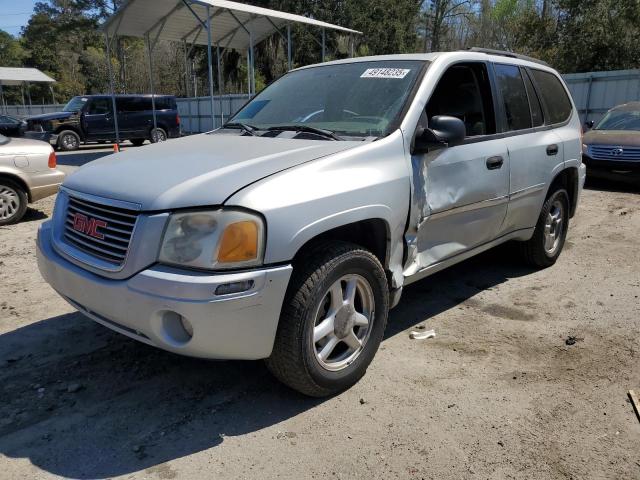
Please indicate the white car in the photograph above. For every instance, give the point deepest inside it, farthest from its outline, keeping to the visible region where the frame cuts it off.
(28, 173)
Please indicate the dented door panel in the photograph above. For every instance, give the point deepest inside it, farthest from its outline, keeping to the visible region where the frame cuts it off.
(458, 202)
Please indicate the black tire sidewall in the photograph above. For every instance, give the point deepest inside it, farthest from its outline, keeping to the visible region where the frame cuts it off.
(61, 145)
(22, 208)
(373, 274)
(152, 140)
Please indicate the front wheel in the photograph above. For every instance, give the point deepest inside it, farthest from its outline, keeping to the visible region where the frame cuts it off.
(68, 141)
(544, 248)
(333, 320)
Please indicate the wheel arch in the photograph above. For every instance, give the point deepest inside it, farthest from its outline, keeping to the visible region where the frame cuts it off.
(72, 128)
(372, 234)
(18, 180)
(568, 178)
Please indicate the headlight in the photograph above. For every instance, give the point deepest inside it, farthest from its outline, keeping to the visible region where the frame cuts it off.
(585, 147)
(212, 240)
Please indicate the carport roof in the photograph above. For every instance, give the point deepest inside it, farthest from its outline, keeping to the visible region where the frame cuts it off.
(18, 76)
(174, 20)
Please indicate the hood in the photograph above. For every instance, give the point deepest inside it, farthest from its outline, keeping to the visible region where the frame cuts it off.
(51, 116)
(623, 138)
(201, 170)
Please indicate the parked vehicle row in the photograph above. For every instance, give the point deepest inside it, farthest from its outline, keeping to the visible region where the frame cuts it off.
(288, 234)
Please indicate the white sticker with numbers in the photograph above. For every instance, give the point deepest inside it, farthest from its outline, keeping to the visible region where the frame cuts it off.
(385, 73)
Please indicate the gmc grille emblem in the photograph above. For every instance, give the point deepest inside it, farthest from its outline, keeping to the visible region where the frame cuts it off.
(88, 226)
(617, 151)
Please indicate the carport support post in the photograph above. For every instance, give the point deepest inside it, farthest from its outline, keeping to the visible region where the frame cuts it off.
(249, 71)
(153, 95)
(253, 64)
(219, 83)
(53, 95)
(323, 44)
(29, 95)
(289, 46)
(210, 67)
(2, 104)
(112, 89)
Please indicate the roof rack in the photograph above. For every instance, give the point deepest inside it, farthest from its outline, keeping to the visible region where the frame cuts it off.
(504, 53)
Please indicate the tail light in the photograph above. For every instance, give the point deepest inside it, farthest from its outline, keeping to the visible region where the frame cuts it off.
(177, 118)
(53, 161)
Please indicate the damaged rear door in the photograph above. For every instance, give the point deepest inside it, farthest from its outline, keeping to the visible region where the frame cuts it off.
(461, 192)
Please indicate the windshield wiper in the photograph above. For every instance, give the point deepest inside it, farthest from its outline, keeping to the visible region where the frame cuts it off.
(305, 128)
(250, 129)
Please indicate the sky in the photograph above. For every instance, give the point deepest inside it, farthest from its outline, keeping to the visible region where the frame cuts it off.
(14, 14)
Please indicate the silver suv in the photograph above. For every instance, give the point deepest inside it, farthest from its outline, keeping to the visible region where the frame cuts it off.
(288, 234)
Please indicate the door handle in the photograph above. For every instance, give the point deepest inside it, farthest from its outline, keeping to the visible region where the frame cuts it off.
(495, 163)
(552, 150)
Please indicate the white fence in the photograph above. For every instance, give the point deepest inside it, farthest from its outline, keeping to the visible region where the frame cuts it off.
(596, 92)
(195, 113)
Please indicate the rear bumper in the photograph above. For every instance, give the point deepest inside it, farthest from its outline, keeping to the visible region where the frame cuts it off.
(44, 184)
(148, 307)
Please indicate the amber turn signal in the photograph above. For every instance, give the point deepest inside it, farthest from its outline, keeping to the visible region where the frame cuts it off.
(239, 243)
(53, 161)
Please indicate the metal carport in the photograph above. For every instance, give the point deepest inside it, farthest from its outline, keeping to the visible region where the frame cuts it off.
(221, 23)
(12, 76)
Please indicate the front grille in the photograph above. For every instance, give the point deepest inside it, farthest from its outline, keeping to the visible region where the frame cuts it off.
(614, 152)
(99, 230)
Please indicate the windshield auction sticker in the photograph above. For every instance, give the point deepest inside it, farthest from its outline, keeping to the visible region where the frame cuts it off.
(385, 73)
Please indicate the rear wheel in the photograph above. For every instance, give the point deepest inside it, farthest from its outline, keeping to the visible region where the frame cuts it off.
(158, 135)
(333, 320)
(13, 202)
(68, 140)
(544, 248)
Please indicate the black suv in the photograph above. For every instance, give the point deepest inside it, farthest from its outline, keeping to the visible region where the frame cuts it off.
(89, 118)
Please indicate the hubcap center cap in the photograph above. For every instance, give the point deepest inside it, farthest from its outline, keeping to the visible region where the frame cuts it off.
(345, 321)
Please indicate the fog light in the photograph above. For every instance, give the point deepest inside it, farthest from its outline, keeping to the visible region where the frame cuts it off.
(186, 324)
(235, 287)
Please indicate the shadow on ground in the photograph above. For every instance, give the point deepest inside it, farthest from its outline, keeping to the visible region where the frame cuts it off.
(81, 401)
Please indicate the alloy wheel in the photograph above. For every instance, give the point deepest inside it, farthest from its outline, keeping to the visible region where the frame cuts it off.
(344, 321)
(9, 202)
(553, 228)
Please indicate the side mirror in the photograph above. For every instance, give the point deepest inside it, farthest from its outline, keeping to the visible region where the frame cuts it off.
(443, 130)
(589, 124)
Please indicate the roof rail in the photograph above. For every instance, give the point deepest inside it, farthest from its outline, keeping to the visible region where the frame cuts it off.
(504, 53)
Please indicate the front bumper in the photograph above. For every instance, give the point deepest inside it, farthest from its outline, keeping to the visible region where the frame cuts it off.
(48, 137)
(612, 169)
(149, 305)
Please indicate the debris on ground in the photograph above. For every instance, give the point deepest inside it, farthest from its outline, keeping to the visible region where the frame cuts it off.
(422, 335)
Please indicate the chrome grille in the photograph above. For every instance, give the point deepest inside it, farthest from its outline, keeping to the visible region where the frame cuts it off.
(614, 152)
(99, 230)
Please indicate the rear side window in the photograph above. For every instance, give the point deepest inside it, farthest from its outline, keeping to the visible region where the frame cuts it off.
(554, 96)
(514, 97)
(534, 102)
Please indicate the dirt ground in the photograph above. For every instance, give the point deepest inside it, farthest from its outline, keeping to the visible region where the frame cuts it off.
(497, 394)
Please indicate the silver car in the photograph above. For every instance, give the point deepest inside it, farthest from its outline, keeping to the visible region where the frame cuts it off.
(28, 173)
(288, 234)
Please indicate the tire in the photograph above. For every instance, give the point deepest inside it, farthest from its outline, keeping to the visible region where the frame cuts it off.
(68, 141)
(544, 248)
(296, 358)
(137, 142)
(157, 135)
(13, 202)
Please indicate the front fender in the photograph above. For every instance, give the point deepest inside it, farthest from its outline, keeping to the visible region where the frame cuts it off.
(363, 183)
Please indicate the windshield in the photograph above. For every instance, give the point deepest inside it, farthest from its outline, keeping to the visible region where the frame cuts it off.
(360, 99)
(620, 120)
(75, 104)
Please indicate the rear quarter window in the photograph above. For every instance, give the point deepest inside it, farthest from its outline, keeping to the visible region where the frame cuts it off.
(554, 96)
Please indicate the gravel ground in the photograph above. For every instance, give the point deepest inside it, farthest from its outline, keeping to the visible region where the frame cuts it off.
(497, 394)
